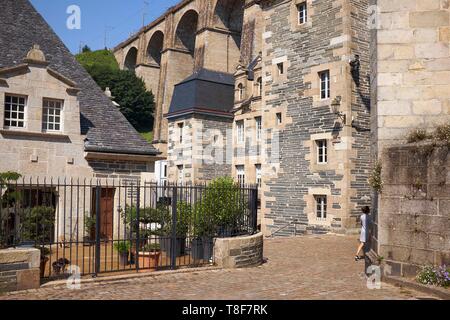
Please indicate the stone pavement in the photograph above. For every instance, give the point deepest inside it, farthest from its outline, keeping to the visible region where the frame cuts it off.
(311, 267)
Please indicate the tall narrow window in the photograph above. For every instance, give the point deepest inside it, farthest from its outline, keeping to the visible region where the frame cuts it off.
(325, 91)
(302, 13)
(279, 118)
(258, 175)
(180, 174)
(240, 133)
(259, 87)
(241, 92)
(181, 131)
(280, 67)
(51, 117)
(322, 151)
(240, 174)
(15, 111)
(321, 207)
(258, 122)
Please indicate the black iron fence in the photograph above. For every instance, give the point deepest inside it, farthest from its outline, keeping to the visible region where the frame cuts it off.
(106, 226)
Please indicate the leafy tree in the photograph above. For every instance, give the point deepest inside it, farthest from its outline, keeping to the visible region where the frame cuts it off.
(86, 49)
(220, 209)
(129, 91)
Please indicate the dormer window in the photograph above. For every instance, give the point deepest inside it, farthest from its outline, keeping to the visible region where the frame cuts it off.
(51, 116)
(15, 111)
(241, 92)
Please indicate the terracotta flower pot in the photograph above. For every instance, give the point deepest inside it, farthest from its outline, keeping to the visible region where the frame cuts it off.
(149, 259)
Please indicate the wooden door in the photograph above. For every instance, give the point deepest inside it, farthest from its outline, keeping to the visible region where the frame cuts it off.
(106, 213)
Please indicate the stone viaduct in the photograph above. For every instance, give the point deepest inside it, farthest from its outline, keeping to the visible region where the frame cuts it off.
(191, 35)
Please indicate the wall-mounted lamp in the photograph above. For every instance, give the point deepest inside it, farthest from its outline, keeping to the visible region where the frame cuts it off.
(335, 107)
(355, 64)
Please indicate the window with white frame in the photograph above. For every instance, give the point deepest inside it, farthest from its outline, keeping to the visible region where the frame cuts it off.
(51, 116)
(240, 174)
(180, 174)
(322, 151)
(258, 121)
(181, 131)
(302, 13)
(15, 111)
(321, 207)
(259, 87)
(325, 91)
(240, 132)
(241, 92)
(258, 175)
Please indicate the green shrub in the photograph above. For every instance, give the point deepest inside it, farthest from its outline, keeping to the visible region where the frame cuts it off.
(38, 224)
(146, 215)
(375, 180)
(152, 247)
(184, 216)
(89, 224)
(442, 133)
(122, 246)
(418, 135)
(221, 206)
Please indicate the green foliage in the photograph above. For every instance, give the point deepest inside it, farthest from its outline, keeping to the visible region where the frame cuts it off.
(86, 49)
(220, 207)
(89, 223)
(146, 215)
(8, 176)
(152, 247)
(442, 133)
(129, 91)
(184, 215)
(37, 224)
(97, 60)
(122, 246)
(147, 135)
(418, 135)
(375, 180)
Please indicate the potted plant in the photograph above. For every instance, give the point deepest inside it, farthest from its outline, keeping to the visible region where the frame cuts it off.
(184, 211)
(149, 256)
(203, 233)
(123, 248)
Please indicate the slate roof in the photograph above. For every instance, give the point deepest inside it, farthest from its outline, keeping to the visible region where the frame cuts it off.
(106, 129)
(205, 91)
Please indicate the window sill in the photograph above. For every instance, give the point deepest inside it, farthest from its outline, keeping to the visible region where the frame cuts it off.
(19, 133)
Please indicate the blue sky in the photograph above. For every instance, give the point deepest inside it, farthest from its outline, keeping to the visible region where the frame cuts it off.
(118, 17)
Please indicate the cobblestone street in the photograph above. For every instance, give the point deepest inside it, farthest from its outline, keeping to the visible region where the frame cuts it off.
(313, 267)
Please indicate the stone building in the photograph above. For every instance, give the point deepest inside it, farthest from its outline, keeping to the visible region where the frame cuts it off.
(55, 121)
(300, 119)
(410, 77)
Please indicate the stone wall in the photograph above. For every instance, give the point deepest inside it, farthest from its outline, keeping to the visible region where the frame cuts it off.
(203, 152)
(411, 68)
(239, 252)
(123, 170)
(335, 33)
(19, 269)
(414, 215)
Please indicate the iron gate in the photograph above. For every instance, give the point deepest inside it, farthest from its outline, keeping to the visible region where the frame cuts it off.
(107, 226)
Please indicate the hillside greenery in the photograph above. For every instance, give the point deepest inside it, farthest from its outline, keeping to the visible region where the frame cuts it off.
(129, 91)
